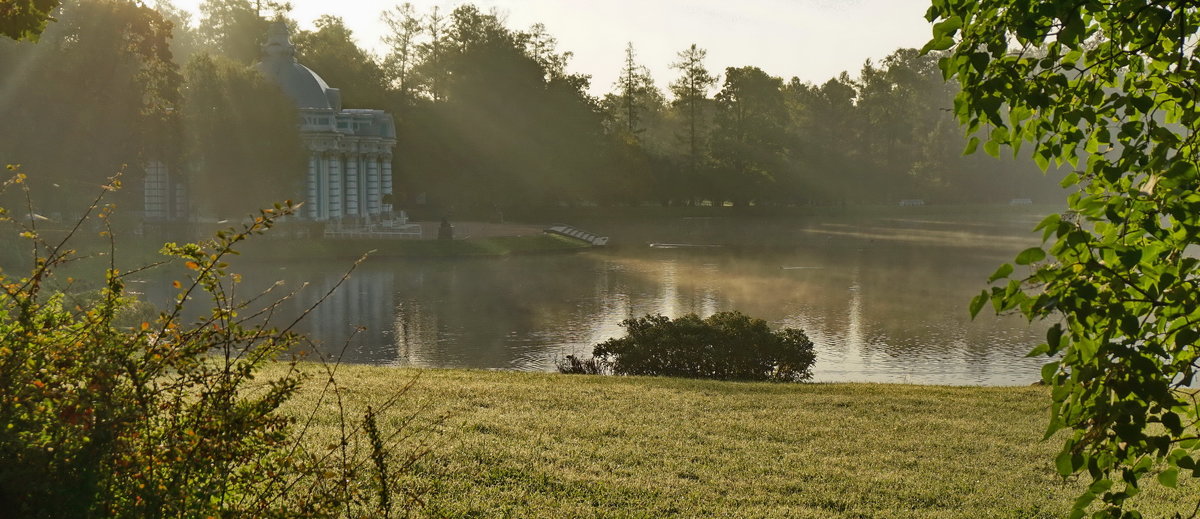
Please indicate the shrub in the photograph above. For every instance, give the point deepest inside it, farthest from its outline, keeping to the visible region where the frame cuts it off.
(725, 346)
(165, 418)
(572, 365)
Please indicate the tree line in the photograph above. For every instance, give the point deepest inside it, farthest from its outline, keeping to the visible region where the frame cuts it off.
(489, 119)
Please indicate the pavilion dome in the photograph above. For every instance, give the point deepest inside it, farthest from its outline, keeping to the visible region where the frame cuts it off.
(299, 82)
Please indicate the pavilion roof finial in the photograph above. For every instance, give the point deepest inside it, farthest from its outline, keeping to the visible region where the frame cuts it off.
(279, 42)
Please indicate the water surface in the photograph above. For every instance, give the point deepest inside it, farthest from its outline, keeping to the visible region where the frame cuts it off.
(884, 299)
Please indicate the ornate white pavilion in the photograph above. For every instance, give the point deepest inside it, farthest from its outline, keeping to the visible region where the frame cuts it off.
(349, 178)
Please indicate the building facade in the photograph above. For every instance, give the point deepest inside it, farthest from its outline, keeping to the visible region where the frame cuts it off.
(164, 195)
(349, 177)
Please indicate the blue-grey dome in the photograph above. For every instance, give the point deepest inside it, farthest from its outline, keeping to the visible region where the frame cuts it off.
(300, 83)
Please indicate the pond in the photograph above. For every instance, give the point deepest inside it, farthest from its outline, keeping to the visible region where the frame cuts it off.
(884, 298)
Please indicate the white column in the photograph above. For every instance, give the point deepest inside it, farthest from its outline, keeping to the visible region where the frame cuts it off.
(323, 189)
(373, 184)
(387, 180)
(362, 185)
(335, 185)
(352, 185)
(314, 202)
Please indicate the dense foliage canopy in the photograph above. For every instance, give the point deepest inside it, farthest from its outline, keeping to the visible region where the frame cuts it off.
(490, 119)
(1109, 88)
(240, 138)
(97, 92)
(25, 19)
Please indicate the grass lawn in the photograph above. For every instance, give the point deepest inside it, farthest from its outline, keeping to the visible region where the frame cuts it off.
(545, 445)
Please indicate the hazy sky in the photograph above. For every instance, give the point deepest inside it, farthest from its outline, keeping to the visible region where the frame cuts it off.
(811, 39)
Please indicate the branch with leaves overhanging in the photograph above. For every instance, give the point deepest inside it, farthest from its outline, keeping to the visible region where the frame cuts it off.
(1112, 92)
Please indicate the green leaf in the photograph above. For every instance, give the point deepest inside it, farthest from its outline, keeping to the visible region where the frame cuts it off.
(1001, 272)
(1169, 477)
(1186, 462)
(972, 146)
(1087, 349)
(941, 43)
(1048, 371)
(1079, 509)
(1054, 336)
(1129, 258)
(1042, 162)
(1064, 464)
(1031, 255)
(1142, 103)
(948, 27)
(978, 302)
(1069, 180)
(979, 61)
(992, 148)
(1172, 422)
(1048, 225)
(1185, 337)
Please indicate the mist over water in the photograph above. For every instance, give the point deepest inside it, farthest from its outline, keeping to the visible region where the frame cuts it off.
(884, 300)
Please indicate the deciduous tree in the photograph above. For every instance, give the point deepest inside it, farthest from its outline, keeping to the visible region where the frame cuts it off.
(331, 52)
(98, 93)
(502, 125)
(1109, 88)
(232, 28)
(243, 144)
(748, 137)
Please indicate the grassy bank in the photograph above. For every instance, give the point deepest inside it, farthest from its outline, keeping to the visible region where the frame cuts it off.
(137, 252)
(852, 213)
(394, 248)
(544, 445)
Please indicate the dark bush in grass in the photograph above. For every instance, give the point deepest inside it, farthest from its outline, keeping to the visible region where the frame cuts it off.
(572, 365)
(725, 346)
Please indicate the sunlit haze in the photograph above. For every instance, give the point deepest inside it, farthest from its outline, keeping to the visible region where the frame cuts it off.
(842, 207)
(810, 39)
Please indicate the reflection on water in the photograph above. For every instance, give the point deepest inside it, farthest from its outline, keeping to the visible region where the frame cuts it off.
(878, 306)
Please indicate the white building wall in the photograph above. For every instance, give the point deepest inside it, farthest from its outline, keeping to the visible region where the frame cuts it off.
(156, 191)
(348, 174)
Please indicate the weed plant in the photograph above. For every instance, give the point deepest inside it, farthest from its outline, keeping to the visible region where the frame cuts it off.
(166, 417)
